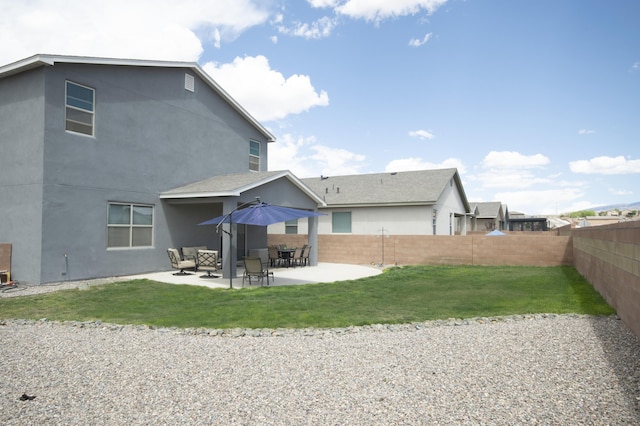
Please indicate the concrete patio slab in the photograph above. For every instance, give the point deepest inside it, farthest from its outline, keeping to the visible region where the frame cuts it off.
(322, 273)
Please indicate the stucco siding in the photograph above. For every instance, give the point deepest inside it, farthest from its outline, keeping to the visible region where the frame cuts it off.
(22, 117)
(150, 135)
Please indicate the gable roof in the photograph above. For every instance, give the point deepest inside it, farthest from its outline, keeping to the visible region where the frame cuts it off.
(233, 185)
(422, 187)
(488, 210)
(42, 60)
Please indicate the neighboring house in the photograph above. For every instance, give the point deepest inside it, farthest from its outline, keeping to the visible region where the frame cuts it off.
(92, 150)
(425, 202)
(488, 216)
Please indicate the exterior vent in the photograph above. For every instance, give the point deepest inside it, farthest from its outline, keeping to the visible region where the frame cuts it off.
(189, 83)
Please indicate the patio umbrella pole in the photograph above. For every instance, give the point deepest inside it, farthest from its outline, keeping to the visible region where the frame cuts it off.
(230, 216)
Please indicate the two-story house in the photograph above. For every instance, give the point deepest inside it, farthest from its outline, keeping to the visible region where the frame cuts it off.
(96, 156)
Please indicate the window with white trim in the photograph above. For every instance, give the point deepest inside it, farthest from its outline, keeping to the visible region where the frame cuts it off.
(129, 225)
(291, 226)
(341, 222)
(254, 156)
(79, 108)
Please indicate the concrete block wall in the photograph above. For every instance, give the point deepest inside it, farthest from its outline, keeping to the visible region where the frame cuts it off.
(549, 250)
(608, 256)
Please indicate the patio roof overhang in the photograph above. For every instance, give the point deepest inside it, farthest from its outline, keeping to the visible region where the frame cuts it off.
(234, 185)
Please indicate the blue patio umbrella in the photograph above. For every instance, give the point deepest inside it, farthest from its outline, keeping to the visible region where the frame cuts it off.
(259, 214)
(496, 233)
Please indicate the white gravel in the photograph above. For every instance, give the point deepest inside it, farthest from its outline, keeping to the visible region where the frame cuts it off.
(527, 370)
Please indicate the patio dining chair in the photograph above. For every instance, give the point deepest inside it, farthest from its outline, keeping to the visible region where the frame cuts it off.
(297, 256)
(253, 267)
(177, 263)
(274, 257)
(305, 254)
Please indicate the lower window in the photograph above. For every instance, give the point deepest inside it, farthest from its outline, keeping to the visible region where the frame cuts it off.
(341, 222)
(291, 226)
(129, 225)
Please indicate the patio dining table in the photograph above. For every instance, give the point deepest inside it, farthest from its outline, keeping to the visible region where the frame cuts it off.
(286, 254)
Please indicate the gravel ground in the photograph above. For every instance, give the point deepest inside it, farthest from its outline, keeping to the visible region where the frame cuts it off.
(527, 370)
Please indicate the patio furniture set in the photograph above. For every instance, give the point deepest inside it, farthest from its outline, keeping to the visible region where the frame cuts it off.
(196, 259)
(280, 255)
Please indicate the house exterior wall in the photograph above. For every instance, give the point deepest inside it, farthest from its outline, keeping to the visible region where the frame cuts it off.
(451, 213)
(370, 221)
(406, 220)
(150, 135)
(22, 112)
(396, 220)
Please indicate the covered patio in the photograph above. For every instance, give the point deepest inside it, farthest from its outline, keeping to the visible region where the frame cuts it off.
(187, 206)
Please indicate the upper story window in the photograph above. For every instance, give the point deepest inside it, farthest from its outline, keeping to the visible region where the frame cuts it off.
(129, 225)
(254, 156)
(341, 222)
(79, 111)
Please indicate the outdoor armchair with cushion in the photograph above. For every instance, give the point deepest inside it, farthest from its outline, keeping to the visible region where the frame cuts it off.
(253, 267)
(207, 260)
(180, 264)
(191, 253)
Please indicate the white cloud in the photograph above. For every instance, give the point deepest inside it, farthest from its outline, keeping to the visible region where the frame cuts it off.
(379, 10)
(606, 166)
(305, 158)
(510, 179)
(286, 154)
(337, 161)
(509, 169)
(417, 163)
(586, 132)
(318, 29)
(421, 134)
(544, 202)
(414, 42)
(265, 92)
(323, 3)
(635, 66)
(168, 30)
(513, 160)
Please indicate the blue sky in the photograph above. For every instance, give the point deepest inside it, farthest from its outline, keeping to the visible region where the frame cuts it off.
(537, 103)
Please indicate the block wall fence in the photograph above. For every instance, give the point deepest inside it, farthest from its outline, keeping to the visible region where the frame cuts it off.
(520, 249)
(608, 256)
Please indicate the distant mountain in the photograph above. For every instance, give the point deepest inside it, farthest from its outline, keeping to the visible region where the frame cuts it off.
(633, 206)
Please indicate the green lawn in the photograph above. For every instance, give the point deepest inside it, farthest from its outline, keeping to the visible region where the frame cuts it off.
(399, 295)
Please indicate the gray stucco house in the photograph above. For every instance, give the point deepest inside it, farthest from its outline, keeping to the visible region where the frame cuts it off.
(106, 163)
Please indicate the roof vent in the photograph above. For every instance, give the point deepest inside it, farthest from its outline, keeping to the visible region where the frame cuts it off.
(189, 83)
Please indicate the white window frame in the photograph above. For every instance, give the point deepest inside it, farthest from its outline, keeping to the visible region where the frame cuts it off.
(291, 226)
(90, 112)
(333, 223)
(131, 226)
(254, 160)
